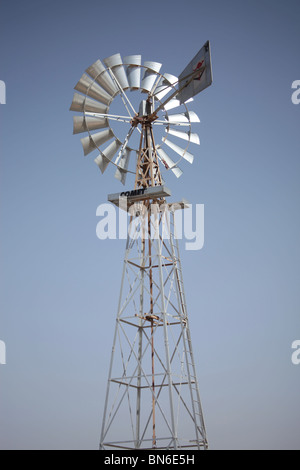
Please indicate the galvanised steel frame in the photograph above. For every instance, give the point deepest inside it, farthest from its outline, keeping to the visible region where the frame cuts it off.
(152, 398)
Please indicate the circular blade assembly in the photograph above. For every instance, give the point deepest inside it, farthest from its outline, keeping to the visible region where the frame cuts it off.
(114, 131)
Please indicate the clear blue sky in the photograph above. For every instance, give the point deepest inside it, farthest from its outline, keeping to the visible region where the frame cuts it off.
(59, 283)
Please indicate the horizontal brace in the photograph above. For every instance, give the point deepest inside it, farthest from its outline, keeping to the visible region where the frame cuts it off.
(118, 445)
(158, 266)
(140, 387)
(148, 267)
(136, 265)
(166, 385)
(148, 326)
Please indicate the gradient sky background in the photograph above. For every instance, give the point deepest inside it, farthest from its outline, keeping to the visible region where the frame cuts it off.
(59, 283)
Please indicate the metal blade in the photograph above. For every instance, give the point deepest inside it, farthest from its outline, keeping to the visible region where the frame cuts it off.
(175, 104)
(99, 73)
(87, 123)
(106, 156)
(150, 75)
(169, 164)
(133, 70)
(189, 136)
(164, 87)
(182, 152)
(87, 86)
(115, 63)
(92, 142)
(121, 171)
(83, 103)
(187, 117)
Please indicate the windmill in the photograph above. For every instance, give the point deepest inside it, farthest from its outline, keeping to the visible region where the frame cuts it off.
(152, 398)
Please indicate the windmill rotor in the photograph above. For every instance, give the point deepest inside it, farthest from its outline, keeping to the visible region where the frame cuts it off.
(114, 131)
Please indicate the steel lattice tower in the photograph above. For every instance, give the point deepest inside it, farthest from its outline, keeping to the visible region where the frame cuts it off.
(152, 398)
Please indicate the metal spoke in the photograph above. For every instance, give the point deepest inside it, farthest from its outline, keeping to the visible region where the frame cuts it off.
(123, 94)
(114, 117)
